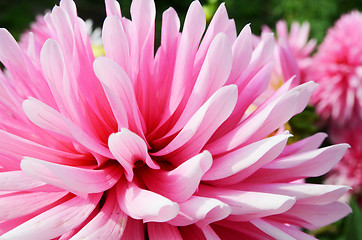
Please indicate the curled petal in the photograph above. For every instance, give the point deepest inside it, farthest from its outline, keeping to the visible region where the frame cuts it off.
(180, 183)
(143, 204)
(200, 210)
(128, 148)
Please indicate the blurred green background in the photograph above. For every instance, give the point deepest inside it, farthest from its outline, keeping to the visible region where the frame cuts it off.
(16, 16)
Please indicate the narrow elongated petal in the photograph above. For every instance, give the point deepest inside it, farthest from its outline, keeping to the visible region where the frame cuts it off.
(162, 231)
(74, 179)
(17, 181)
(55, 221)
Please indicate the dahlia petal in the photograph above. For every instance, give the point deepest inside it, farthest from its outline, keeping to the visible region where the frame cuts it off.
(143, 204)
(264, 120)
(210, 116)
(115, 42)
(162, 231)
(134, 230)
(45, 117)
(288, 62)
(209, 233)
(56, 221)
(74, 179)
(304, 193)
(182, 182)
(200, 210)
(307, 164)
(128, 148)
(212, 77)
(246, 205)
(117, 83)
(295, 233)
(241, 163)
(193, 29)
(17, 181)
(271, 230)
(109, 223)
(316, 216)
(192, 232)
(70, 8)
(113, 8)
(23, 203)
(18, 147)
(242, 52)
(306, 144)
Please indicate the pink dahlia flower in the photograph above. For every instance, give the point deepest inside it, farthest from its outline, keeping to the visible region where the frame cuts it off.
(337, 67)
(140, 145)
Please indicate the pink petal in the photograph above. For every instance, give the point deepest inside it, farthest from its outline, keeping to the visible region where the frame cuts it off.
(143, 204)
(202, 124)
(109, 223)
(17, 181)
(306, 144)
(115, 42)
(193, 29)
(128, 148)
(113, 8)
(56, 221)
(237, 165)
(209, 233)
(271, 230)
(24, 203)
(304, 193)
(246, 205)
(135, 229)
(200, 210)
(162, 231)
(308, 164)
(315, 216)
(120, 93)
(180, 183)
(74, 179)
(212, 77)
(265, 120)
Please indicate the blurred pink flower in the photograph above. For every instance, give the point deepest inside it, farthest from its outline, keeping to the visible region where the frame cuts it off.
(135, 144)
(337, 67)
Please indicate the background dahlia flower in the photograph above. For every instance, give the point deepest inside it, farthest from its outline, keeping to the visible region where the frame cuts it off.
(140, 145)
(337, 67)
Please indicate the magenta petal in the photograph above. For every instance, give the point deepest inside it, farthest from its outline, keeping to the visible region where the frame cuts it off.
(47, 225)
(162, 231)
(143, 204)
(200, 210)
(182, 182)
(74, 179)
(135, 229)
(128, 148)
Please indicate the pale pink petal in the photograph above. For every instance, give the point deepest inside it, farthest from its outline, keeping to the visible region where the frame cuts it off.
(265, 120)
(56, 221)
(305, 193)
(237, 165)
(17, 181)
(117, 84)
(307, 164)
(162, 231)
(182, 182)
(24, 203)
(209, 233)
(109, 223)
(74, 179)
(271, 230)
(200, 210)
(128, 148)
(115, 42)
(193, 29)
(291, 230)
(306, 144)
(247, 205)
(113, 8)
(143, 204)
(209, 116)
